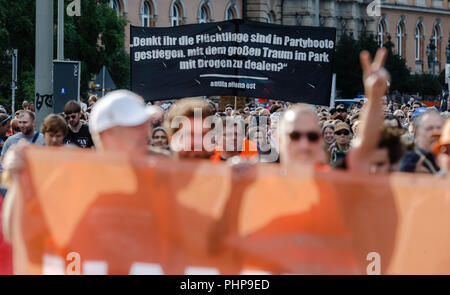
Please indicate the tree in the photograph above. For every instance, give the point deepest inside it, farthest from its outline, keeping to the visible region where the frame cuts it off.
(17, 31)
(347, 64)
(396, 66)
(96, 38)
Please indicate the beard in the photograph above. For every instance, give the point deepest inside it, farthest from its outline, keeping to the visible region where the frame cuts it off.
(27, 131)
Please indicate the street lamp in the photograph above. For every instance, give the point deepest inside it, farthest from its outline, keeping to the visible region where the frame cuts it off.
(431, 53)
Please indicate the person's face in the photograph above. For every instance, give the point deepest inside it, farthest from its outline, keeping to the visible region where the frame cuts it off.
(406, 109)
(54, 138)
(301, 140)
(391, 123)
(159, 138)
(428, 131)
(401, 117)
(342, 136)
(395, 107)
(257, 135)
(26, 125)
(415, 106)
(73, 119)
(342, 111)
(228, 111)
(323, 116)
(127, 139)
(379, 161)
(232, 137)
(195, 148)
(32, 107)
(328, 136)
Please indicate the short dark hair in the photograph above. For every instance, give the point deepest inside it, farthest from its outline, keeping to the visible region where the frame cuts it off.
(390, 139)
(71, 107)
(392, 117)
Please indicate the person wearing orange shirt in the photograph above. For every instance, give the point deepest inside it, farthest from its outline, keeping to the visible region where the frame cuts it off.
(233, 142)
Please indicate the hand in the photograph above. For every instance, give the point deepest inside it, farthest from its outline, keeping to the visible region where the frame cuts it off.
(376, 78)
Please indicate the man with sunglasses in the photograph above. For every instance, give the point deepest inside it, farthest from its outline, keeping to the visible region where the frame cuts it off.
(340, 147)
(78, 134)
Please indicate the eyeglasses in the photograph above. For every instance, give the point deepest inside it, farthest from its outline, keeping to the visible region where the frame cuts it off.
(311, 136)
(73, 116)
(5, 120)
(342, 132)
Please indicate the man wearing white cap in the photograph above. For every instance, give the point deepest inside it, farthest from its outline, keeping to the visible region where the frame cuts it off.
(120, 121)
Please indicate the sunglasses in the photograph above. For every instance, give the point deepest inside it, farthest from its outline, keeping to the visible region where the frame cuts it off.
(401, 117)
(311, 136)
(6, 120)
(73, 116)
(342, 132)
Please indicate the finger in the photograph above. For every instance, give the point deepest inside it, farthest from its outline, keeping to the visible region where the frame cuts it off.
(365, 61)
(380, 59)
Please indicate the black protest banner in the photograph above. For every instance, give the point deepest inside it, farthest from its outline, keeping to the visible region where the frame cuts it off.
(241, 58)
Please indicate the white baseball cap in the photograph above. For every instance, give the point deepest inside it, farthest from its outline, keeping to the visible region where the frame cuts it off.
(119, 108)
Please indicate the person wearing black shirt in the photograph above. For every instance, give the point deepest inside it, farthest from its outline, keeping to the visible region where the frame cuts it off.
(78, 134)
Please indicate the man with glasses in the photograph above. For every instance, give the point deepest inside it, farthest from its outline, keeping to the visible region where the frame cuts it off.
(339, 148)
(78, 134)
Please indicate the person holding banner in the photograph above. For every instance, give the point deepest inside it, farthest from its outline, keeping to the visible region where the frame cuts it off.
(120, 122)
(300, 136)
(442, 150)
(187, 127)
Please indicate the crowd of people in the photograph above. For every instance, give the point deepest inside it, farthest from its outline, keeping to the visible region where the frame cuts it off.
(369, 135)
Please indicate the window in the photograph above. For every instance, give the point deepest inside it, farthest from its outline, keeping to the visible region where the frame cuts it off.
(115, 4)
(176, 14)
(231, 12)
(401, 39)
(381, 33)
(437, 41)
(271, 18)
(204, 13)
(148, 16)
(419, 42)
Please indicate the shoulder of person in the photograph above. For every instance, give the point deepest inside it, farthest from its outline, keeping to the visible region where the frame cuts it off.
(411, 155)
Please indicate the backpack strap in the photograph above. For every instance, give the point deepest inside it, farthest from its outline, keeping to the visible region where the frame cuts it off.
(35, 137)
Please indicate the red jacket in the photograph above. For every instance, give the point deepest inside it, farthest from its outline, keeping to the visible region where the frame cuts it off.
(5, 251)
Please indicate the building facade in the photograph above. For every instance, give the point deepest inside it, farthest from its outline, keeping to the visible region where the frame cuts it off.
(416, 27)
(412, 25)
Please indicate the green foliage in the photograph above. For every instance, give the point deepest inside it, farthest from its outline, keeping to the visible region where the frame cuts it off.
(17, 31)
(348, 67)
(424, 84)
(349, 73)
(96, 38)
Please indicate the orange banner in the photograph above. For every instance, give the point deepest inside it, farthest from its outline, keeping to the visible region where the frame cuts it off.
(91, 213)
